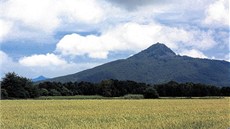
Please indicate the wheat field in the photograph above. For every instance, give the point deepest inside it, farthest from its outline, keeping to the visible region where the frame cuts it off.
(116, 114)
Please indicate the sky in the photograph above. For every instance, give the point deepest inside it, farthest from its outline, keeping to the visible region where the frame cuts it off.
(59, 37)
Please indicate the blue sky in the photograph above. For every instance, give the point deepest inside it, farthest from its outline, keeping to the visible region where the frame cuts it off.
(55, 38)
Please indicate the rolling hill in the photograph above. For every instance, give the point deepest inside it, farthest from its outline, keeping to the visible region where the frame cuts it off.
(157, 64)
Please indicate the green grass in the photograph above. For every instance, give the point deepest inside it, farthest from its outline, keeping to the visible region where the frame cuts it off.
(116, 114)
(129, 96)
(73, 97)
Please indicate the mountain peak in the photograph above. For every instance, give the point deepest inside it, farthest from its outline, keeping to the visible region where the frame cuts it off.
(40, 78)
(155, 65)
(158, 50)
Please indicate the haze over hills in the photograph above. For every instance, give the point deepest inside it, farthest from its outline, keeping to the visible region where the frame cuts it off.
(157, 64)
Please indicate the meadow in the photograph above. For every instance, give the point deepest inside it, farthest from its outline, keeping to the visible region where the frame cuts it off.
(116, 114)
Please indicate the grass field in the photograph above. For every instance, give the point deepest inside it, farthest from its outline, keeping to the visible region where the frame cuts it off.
(72, 97)
(129, 96)
(116, 114)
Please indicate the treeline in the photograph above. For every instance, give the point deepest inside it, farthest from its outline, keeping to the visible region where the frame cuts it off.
(107, 88)
(14, 86)
(189, 89)
(116, 88)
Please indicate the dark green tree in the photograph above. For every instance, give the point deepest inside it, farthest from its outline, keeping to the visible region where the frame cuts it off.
(150, 93)
(43, 92)
(54, 92)
(65, 92)
(4, 94)
(105, 88)
(19, 87)
(225, 91)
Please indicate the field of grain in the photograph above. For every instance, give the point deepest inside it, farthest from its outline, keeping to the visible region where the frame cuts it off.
(116, 114)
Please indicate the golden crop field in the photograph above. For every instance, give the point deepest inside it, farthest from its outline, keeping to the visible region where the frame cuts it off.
(116, 114)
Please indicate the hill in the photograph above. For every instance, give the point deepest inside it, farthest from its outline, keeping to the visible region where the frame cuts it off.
(157, 64)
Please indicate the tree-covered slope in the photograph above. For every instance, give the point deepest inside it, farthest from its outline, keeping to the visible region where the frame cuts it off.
(157, 64)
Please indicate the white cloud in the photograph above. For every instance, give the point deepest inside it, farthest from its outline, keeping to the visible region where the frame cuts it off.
(88, 11)
(75, 44)
(227, 57)
(5, 29)
(134, 37)
(193, 53)
(202, 40)
(217, 14)
(6, 64)
(42, 60)
(34, 18)
(126, 25)
(4, 57)
(32, 13)
(46, 16)
(55, 66)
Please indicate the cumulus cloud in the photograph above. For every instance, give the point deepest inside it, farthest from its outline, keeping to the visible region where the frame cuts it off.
(134, 37)
(130, 25)
(4, 57)
(6, 64)
(32, 66)
(217, 13)
(88, 11)
(32, 18)
(5, 29)
(32, 13)
(42, 60)
(48, 15)
(75, 44)
(227, 57)
(193, 53)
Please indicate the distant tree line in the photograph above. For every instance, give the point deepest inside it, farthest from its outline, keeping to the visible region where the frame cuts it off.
(189, 89)
(14, 86)
(107, 88)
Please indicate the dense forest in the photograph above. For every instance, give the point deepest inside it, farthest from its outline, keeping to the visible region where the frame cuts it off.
(14, 86)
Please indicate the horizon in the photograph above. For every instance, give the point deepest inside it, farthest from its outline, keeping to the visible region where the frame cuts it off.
(56, 38)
